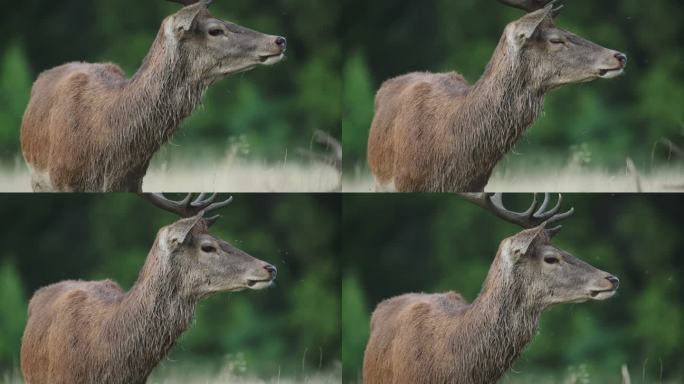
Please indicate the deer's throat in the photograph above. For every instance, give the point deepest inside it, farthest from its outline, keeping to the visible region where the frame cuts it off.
(499, 325)
(495, 113)
(150, 108)
(506, 103)
(162, 95)
(154, 314)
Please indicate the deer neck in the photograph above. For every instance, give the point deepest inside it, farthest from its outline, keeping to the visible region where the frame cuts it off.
(500, 106)
(496, 327)
(154, 313)
(155, 100)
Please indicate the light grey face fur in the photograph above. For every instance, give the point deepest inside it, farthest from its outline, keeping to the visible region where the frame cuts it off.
(557, 57)
(219, 48)
(209, 264)
(549, 275)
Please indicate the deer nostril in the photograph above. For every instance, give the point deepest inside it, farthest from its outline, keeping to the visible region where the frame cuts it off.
(281, 42)
(271, 270)
(622, 58)
(614, 280)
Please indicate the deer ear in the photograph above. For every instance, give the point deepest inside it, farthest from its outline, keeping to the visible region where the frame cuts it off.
(178, 233)
(523, 29)
(522, 242)
(185, 20)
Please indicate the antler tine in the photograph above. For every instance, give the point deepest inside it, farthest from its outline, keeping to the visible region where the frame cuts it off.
(542, 207)
(552, 215)
(555, 10)
(177, 207)
(201, 199)
(207, 204)
(212, 219)
(187, 207)
(184, 2)
(533, 5)
(497, 202)
(190, 2)
(533, 216)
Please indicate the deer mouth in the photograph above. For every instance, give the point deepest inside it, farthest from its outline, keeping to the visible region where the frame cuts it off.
(602, 294)
(271, 59)
(259, 284)
(611, 72)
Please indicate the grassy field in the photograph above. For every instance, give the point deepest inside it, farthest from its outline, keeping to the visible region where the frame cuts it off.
(228, 173)
(578, 375)
(231, 372)
(562, 179)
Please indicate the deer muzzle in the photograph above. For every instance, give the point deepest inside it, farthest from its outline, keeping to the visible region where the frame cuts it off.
(619, 63)
(262, 279)
(606, 288)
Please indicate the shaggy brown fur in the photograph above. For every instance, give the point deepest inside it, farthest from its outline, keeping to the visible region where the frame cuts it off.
(441, 339)
(94, 332)
(89, 128)
(435, 132)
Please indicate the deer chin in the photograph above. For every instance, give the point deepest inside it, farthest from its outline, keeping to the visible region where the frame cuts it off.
(259, 284)
(602, 294)
(271, 59)
(610, 73)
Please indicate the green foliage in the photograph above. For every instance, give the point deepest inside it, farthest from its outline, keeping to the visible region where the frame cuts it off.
(13, 314)
(15, 86)
(357, 99)
(437, 243)
(355, 325)
(290, 330)
(611, 119)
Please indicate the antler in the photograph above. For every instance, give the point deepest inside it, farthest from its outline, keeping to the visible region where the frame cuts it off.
(533, 5)
(189, 2)
(187, 207)
(535, 215)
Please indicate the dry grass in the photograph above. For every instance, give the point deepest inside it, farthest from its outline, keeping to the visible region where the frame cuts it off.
(567, 179)
(227, 174)
(192, 374)
(204, 378)
(241, 177)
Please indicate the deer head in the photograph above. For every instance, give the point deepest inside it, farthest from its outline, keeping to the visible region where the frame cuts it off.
(206, 264)
(544, 273)
(216, 48)
(552, 56)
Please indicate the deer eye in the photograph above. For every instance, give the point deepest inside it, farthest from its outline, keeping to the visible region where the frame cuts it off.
(551, 260)
(208, 248)
(216, 32)
(555, 40)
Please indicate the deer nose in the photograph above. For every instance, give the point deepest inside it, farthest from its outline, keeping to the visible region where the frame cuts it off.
(271, 270)
(622, 58)
(614, 280)
(281, 42)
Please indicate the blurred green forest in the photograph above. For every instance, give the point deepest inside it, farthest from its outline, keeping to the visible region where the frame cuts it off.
(600, 123)
(289, 331)
(436, 243)
(265, 112)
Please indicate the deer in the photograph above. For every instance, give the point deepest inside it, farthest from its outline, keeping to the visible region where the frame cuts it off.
(94, 332)
(434, 132)
(440, 338)
(89, 128)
